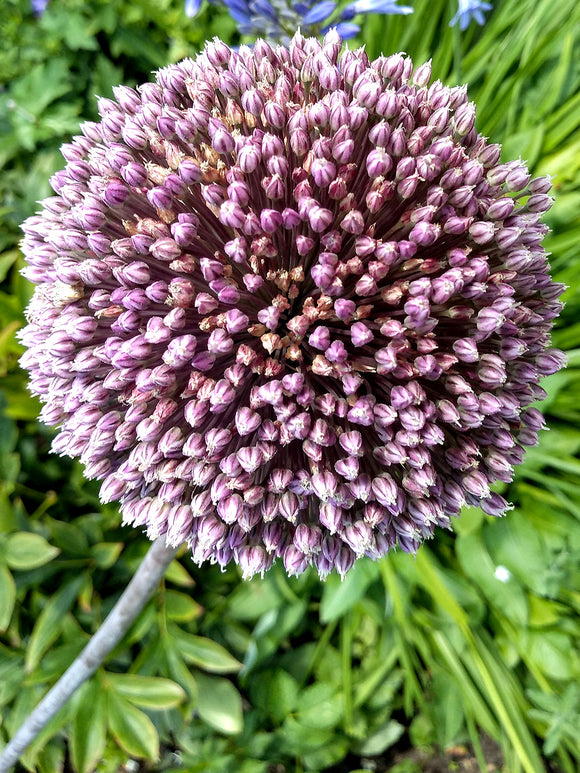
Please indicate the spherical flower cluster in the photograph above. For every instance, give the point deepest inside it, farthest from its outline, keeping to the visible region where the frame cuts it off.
(291, 305)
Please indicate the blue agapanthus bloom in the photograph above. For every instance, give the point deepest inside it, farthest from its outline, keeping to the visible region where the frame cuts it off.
(278, 20)
(468, 10)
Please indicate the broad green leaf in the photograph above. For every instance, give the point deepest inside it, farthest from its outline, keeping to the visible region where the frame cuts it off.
(339, 595)
(512, 543)
(276, 693)
(56, 661)
(178, 575)
(50, 758)
(554, 653)
(131, 728)
(180, 606)
(320, 706)
(250, 600)
(376, 743)
(48, 625)
(204, 653)
(7, 260)
(543, 612)
(219, 704)
(326, 757)
(149, 692)
(69, 538)
(177, 669)
(448, 709)
(106, 553)
(25, 550)
(89, 727)
(7, 596)
(41, 85)
(508, 597)
(301, 739)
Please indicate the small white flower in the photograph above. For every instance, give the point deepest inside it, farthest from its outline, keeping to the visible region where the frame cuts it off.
(502, 573)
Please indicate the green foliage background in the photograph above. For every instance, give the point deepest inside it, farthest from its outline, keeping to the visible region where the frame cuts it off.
(276, 674)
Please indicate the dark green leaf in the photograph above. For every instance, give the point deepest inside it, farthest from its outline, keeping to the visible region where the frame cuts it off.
(49, 623)
(106, 553)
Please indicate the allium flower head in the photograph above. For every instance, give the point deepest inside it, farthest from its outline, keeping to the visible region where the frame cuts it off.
(277, 20)
(291, 305)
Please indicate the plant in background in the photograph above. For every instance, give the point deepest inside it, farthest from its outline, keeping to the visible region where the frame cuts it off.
(278, 21)
(38, 6)
(468, 10)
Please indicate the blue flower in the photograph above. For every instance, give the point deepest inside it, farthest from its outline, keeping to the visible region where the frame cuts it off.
(192, 7)
(38, 6)
(278, 20)
(468, 10)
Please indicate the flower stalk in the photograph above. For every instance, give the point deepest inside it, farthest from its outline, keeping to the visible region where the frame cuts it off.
(133, 599)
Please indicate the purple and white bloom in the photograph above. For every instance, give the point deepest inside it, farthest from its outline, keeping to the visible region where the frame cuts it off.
(290, 305)
(278, 20)
(468, 10)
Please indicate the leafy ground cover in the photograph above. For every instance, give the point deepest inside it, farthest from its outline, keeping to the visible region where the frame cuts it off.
(478, 637)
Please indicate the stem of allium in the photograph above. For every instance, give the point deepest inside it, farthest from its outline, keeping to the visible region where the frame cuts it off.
(115, 626)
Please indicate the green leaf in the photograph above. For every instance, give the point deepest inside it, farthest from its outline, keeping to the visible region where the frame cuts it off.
(132, 729)
(69, 538)
(181, 607)
(48, 626)
(178, 575)
(508, 597)
(7, 596)
(327, 756)
(89, 727)
(448, 710)
(204, 653)
(7, 260)
(376, 743)
(512, 543)
(219, 704)
(554, 653)
(106, 553)
(149, 692)
(320, 707)
(250, 600)
(339, 595)
(301, 739)
(25, 550)
(41, 85)
(276, 693)
(177, 668)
